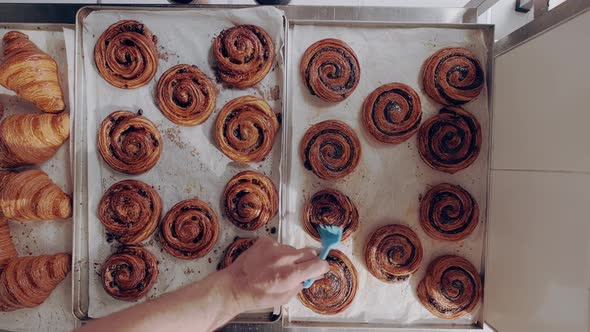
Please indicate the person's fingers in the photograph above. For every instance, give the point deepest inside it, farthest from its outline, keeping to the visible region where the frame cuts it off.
(264, 240)
(285, 297)
(306, 254)
(288, 248)
(312, 268)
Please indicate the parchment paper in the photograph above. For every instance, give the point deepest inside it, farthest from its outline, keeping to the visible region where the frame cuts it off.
(190, 166)
(44, 237)
(389, 180)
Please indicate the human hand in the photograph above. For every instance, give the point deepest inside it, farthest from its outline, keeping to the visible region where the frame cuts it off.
(269, 274)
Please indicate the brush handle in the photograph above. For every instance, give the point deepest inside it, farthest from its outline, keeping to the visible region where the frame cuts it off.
(325, 252)
(323, 255)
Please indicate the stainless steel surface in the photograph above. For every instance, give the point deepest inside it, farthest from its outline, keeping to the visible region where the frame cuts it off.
(382, 14)
(80, 270)
(488, 33)
(539, 25)
(481, 6)
(66, 13)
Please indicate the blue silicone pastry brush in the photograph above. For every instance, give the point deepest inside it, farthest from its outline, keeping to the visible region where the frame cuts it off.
(331, 236)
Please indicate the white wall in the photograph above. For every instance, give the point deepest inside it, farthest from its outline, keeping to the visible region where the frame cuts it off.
(506, 19)
(538, 276)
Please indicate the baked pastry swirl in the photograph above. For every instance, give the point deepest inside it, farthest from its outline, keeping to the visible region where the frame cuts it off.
(244, 54)
(336, 290)
(330, 149)
(245, 129)
(330, 69)
(126, 55)
(130, 211)
(453, 76)
(185, 95)
(129, 273)
(448, 212)
(330, 207)
(129, 142)
(393, 253)
(392, 113)
(250, 200)
(234, 250)
(189, 230)
(450, 141)
(451, 287)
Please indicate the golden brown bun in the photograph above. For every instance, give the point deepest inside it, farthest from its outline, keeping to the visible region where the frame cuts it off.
(448, 212)
(392, 113)
(450, 141)
(330, 149)
(244, 54)
(129, 273)
(336, 290)
(393, 253)
(185, 95)
(130, 211)
(126, 55)
(189, 230)
(451, 287)
(251, 200)
(330, 207)
(453, 76)
(330, 69)
(129, 143)
(245, 129)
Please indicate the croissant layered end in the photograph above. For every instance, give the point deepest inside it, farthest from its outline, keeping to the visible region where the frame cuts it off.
(61, 123)
(27, 139)
(7, 249)
(26, 282)
(32, 195)
(31, 73)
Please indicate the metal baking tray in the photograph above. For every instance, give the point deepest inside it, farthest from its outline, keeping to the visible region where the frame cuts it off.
(289, 144)
(46, 237)
(81, 268)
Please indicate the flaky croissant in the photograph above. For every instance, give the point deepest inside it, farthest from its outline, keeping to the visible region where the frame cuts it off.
(31, 195)
(26, 282)
(7, 249)
(27, 139)
(31, 73)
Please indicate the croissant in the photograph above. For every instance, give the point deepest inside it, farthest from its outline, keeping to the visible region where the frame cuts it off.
(31, 195)
(26, 282)
(31, 73)
(27, 139)
(7, 249)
